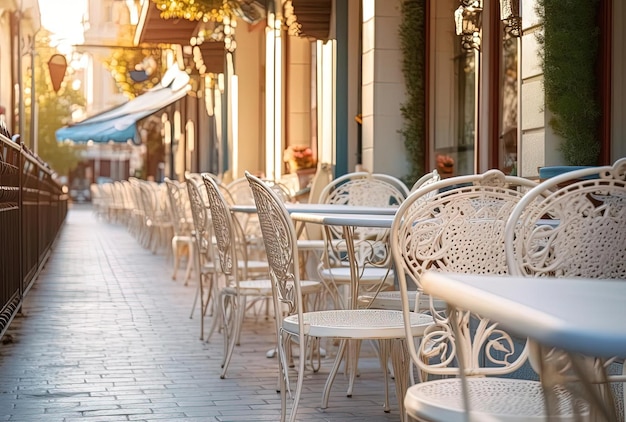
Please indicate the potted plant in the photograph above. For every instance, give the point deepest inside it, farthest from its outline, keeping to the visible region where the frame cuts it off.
(298, 157)
(445, 165)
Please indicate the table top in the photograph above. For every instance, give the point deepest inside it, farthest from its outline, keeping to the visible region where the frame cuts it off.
(575, 314)
(383, 221)
(321, 208)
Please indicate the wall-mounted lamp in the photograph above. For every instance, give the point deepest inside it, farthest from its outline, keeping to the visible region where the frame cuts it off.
(468, 22)
(510, 17)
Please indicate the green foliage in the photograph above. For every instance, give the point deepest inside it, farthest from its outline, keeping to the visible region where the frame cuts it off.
(569, 56)
(412, 33)
(121, 61)
(54, 110)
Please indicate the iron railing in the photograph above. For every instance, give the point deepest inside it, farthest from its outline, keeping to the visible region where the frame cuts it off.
(33, 207)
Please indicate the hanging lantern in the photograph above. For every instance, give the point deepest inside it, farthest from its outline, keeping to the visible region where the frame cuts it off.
(510, 17)
(468, 23)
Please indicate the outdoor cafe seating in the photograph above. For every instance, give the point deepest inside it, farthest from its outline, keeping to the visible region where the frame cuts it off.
(359, 189)
(238, 288)
(280, 240)
(569, 226)
(448, 360)
(574, 225)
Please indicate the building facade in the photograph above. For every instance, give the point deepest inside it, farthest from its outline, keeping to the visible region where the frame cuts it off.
(331, 76)
(19, 22)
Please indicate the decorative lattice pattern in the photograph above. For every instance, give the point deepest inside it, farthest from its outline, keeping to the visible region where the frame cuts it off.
(490, 396)
(578, 230)
(457, 225)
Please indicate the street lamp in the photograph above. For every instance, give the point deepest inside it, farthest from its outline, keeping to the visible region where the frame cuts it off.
(510, 17)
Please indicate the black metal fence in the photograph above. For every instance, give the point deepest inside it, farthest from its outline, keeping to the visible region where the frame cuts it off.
(32, 209)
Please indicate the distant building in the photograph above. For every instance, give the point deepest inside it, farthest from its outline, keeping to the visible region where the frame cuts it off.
(19, 22)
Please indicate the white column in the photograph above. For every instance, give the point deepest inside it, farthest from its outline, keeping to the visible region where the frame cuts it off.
(383, 89)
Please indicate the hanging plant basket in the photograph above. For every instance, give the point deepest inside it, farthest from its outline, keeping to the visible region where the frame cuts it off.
(197, 10)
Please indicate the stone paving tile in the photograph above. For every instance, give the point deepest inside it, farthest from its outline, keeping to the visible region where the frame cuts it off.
(105, 335)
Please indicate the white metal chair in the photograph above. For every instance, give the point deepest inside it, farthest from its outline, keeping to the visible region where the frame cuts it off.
(158, 222)
(113, 206)
(281, 246)
(370, 244)
(361, 189)
(240, 194)
(204, 254)
(137, 216)
(236, 268)
(572, 225)
(390, 299)
(461, 229)
(182, 223)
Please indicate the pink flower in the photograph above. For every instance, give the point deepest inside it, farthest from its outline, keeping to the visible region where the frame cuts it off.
(444, 161)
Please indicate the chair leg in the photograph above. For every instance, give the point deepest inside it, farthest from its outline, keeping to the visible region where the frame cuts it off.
(402, 366)
(282, 380)
(200, 293)
(190, 260)
(316, 352)
(226, 317)
(216, 312)
(624, 389)
(333, 373)
(352, 363)
(301, 367)
(195, 257)
(232, 325)
(240, 316)
(383, 355)
(195, 301)
(176, 257)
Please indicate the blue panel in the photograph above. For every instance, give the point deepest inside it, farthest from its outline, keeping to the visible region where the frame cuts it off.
(341, 96)
(98, 132)
(552, 171)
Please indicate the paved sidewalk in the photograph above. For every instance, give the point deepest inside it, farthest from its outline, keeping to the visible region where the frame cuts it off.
(105, 335)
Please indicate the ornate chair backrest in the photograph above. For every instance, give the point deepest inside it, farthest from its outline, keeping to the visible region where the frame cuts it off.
(118, 194)
(148, 200)
(572, 225)
(426, 180)
(457, 225)
(364, 189)
(240, 191)
(240, 194)
(135, 191)
(201, 221)
(129, 199)
(280, 244)
(393, 181)
(223, 229)
(178, 200)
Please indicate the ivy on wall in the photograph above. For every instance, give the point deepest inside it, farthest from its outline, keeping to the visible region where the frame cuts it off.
(569, 55)
(412, 34)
